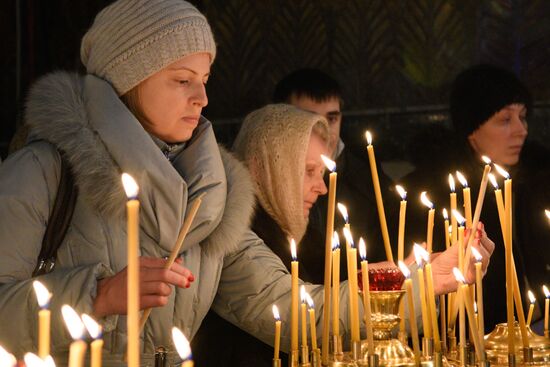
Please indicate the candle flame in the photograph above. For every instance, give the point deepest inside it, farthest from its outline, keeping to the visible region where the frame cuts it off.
(181, 343)
(546, 292)
(547, 212)
(335, 241)
(476, 254)
(362, 249)
(486, 159)
(458, 275)
(92, 326)
(293, 249)
(475, 307)
(344, 211)
(369, 137)
(532, 298)
(309, 301)
(445, 214)
(32, 360)
(493, 180)
(276, 314)
(43, 296)
(73, 322)
(502, 171)
(404, 269)
(130, 186)
(451, 182)
(6, 359)
(303, 293)
(401, 191)
(420, 254)
(462, 179)
(329, 163)
(48, 362)
(459, 218)
(349, 238)
(425, 200)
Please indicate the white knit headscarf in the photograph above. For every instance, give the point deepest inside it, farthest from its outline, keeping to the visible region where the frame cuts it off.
(273, 142)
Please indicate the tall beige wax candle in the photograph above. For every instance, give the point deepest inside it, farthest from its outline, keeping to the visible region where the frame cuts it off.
(77, 349)
(401, 229)
(294, 294)
(378, 194)
(335, 285)
(277, 341)
(479, 291)
(312, 322)
(446, 226)
(97, 345)
(304, 318)
(546, 310)
(467, 198)
(366, 295)
(132, 212)
(328, 252)
(430, 227)
(43, 297)
(508, 257)
(532, 301)
(354, 289)
(452, 198)
(412, 313)
(422, 290)
(433, 308)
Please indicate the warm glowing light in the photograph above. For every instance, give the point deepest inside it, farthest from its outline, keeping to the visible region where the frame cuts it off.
(344, 211)
(7, 359)
(424, 199)
(73, 322)
(369, 137)
(450, 229)
(546, 292)
(309, 301)
(276, 314)
(293, 249)
(486, 159)
(458, 275)
(502, 172)
(445, 214)
(547, 212)
(32, 360)
(48, 362)
(92, 326)
(362, 249)
(462, 179)
(459, 218)
(43, 296)
(401, 191)
(181, 343)
(404, 269)
(532, 298)
(329, 163)
(130, 186)
(349, 238)
(476, 254)
(451, 182)
(335, 241)
(475, 307)
(493, 180)
(303, 293)
(420, 254)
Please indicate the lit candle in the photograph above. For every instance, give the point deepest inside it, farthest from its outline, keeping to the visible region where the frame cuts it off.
(331, 165)
(132, 210)
(467, 302)
(546, 309)
(432, 310)
(446, 226)
(378, 194)
(431, 211)
(97, 345)
(401, 233)
(366, 294)
(294, 307)
(467, 198)
(479, 290)
(312, 322)
(352, 279)
(277, 343)
(336, 284)
(78, 347)
(43, 297)
(344, 211)
(425, 316)
(6, 359)
(508, 257)
(459, 306)
(304, 318)
(532, 301)
(453, 207)
(412, 313)
(182, 347)
(32, 360)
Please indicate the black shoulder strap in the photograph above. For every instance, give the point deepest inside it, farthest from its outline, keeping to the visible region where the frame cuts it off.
(59, 220)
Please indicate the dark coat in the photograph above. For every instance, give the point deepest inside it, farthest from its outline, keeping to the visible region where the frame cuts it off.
(531, 233)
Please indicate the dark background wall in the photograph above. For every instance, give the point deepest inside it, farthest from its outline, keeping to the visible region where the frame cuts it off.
(395, 59)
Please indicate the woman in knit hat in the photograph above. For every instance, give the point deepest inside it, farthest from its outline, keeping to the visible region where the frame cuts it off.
(489, 107)
(137, 110)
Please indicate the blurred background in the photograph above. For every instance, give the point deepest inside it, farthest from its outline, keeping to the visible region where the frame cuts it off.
(394, 59)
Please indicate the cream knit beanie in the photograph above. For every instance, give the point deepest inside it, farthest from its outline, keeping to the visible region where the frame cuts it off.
(131, 40)
(273, 142)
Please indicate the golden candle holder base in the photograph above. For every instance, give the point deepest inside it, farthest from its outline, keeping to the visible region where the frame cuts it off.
(294, 359)
(496, 345)
(276, 362)
(316, 357)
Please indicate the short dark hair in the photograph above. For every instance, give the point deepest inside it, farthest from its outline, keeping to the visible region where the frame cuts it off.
(307, 82)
